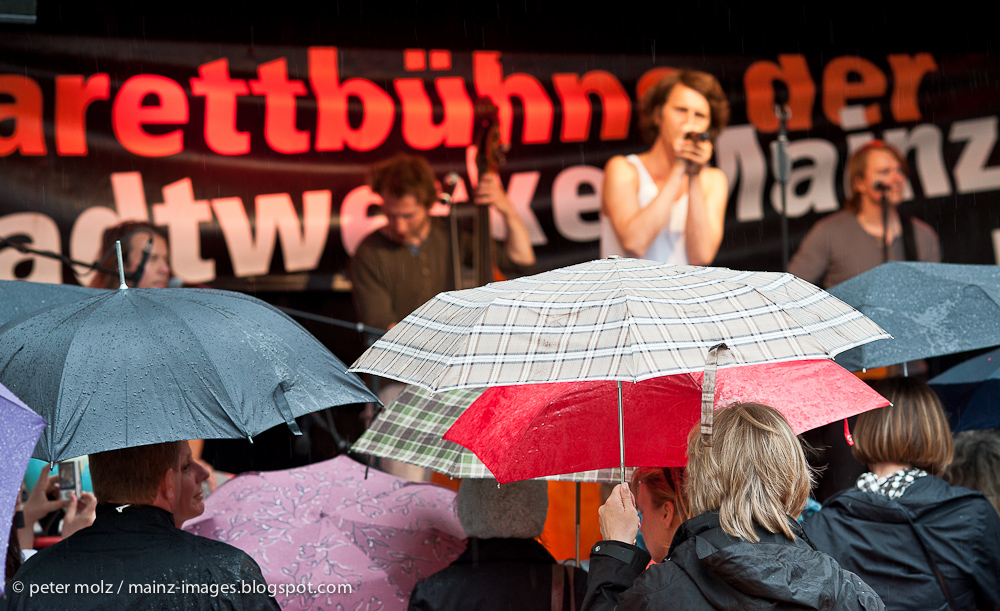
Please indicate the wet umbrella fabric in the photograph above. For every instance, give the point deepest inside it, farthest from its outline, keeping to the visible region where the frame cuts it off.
(140, 366)
(19, 431)
(410, 430)
(970, 393)
(930, 309)
(19, 297)
(327, 524)
(522, 432)
(618, 319)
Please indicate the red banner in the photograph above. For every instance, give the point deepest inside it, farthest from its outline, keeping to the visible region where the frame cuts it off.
(256, 159)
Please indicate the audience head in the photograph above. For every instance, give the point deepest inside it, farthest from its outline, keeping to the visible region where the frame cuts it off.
(977, 463)
(663, 506)
(656, 96)
(135, 236)
(164, 475)
(912, 431)
(754, 473)
(516, 510)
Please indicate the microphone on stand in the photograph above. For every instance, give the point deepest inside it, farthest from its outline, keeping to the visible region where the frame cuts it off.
(136, 276)
(883, 190)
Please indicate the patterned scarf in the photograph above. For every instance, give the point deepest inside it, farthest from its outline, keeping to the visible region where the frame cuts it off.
(892, 486)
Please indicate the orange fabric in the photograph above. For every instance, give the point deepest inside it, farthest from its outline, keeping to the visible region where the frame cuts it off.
(559, 536)
(443, 480)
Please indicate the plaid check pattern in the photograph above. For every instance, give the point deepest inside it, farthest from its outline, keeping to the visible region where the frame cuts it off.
(410, 430)
(618, 319)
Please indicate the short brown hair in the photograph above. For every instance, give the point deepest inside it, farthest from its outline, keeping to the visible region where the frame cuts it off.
(122, 232)
(403, 175)
(913, 430)
(858, 164)
(132, 475)
(755, 471)
(664, 484)
(656, 96)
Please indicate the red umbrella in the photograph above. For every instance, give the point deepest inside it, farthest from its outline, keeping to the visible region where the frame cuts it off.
(526, 431)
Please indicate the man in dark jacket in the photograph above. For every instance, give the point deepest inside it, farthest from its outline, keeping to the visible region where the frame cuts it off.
(133, 556)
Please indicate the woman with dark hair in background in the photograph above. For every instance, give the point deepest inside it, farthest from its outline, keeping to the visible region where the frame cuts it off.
(919, 542)
(143, 245)
(666, 204)
(742, 548)
(977, 463)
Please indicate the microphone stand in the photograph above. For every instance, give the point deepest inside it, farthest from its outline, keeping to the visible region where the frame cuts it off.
(884, 202)
(6, 243)
(781, 171)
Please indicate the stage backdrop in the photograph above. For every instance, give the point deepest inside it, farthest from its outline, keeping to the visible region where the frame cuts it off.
(256, 159)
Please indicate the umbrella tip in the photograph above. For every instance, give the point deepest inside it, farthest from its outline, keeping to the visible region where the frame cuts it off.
(121, 268)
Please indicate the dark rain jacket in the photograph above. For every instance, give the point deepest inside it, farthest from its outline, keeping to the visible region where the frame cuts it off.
(501, 575)
(708, 569)
(883, 541)
(137, 559)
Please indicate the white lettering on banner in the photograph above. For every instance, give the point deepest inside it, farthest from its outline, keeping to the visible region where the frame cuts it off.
(569, 205)
(301, 244)
(182, 214)
(355, 223)
(43, 234)
(88, 230)
(520, 191)
(820, 193)
(926, 140)
(971, 173)
(738, 153)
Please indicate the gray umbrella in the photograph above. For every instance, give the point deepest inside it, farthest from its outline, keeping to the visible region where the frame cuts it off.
(930, 309)
(139, 366)
(20, 297)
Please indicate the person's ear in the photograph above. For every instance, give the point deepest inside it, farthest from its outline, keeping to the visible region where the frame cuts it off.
(668, 513)
(168, 491)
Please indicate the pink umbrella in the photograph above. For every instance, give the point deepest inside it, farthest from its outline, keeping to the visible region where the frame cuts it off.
(521, 432)
(328, 538)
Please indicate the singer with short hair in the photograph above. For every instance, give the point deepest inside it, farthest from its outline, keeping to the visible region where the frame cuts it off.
(667, 204)
(850, 241)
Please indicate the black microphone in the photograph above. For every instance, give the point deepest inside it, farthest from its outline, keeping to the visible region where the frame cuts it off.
(136, 276)
(698, 136)
(881, 187)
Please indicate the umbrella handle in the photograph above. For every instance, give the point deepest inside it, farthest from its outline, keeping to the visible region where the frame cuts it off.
(708, 394)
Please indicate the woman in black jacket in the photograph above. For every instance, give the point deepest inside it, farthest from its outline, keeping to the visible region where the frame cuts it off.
(921, 543)
(743, 548)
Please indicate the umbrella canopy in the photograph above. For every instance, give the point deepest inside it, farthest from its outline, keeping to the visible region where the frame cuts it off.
(369, 537)
(970, 393)
(411, 429)
(618, 319)
(521, 432)
(19, 431)
(19, 298)
(138, 366)
(931, 309)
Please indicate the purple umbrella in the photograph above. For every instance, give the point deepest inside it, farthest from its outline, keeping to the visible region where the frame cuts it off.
(328, 538)
(19, 431)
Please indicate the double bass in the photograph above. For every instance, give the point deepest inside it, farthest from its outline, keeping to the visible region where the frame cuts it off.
(488, 158)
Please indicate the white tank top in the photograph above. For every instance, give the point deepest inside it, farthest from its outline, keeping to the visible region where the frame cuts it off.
(668, 246)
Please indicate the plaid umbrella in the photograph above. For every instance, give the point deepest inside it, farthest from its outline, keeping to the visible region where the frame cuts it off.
(617, 319)
(410, 430)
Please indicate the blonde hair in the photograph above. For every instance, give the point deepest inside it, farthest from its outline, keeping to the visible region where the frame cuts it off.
(665, 484)
(912, 431)
(755, 471)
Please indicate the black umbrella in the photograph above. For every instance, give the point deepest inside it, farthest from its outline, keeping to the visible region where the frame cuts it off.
(138, 366)
(19, 297)
(930, 309)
